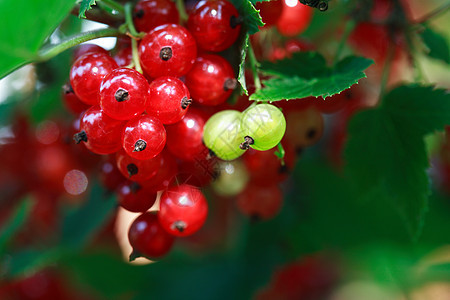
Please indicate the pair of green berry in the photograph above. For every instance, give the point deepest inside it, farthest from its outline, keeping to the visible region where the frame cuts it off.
(229, 133)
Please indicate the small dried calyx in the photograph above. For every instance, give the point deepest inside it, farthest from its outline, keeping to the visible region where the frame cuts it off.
(185, 102)
(121, 95)
(67, 89)
(140, 145)
(179, 225)
(230, 84)
(132, 169)
(165, 53)
(80, 137)
(236, 21)
(247, 142)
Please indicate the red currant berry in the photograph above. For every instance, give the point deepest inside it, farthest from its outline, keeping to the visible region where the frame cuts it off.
(124, 93)
(88, 48)
(169, 99)
(215, 24)
(168, 50)
(87, 74)
(71, 100)
(110, 175)
(151, 13)
(99, 132)
(304, 128)
(135, 197)
(185, 138)
(294, 18)
(144, 137)
(260, 202)
(270, 11)
(148, 238)
(211, 80)
(136, 169)
(124, 57)
(183, 210)
(168, 169)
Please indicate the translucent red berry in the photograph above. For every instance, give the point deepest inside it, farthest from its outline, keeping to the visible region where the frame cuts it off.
(149, 14)
(183, 210)
(124, 93)
(87, 73)
(124, 57)
(169, 99)
(98, 132)
(144, 137)
(168, 50)
(135, 197)
(168, 169)
(211, 80)
(136, 169)
(260, 202)
(148, 238)
(270, 11)
(215, 24)
(88, 48)
(295, 18)
(71, 101)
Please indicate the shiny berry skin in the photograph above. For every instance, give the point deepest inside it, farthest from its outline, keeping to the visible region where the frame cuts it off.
(124, 93)
(270, 11)
(110, 176)
(211, 80)
(88, 48)
(124, 57)
(136, 169)
(215, 24)
(148, 238)
(305, 127)
(168, 50)
(167, 170)
(98, 132)
(294, 19)
(87, 73)
(222, 134)
(184, 139)
(264, 124)
(260, 202)
(71, 101)
(183, 210)
(135, 197)
(144, 137)
(149, 14)
(169, 99)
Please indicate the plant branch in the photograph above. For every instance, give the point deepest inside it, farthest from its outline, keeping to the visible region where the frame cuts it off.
(114, 5)
(254, 65)
(435, 13)
(129, 21)
(51, 51)
(349, 26)
(181, 10)
(98, 15)
(280, 153)
(135, 54)
(386, 70)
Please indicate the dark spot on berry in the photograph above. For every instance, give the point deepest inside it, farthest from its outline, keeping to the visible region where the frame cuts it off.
(135, 187)
(140, 145)
(185, 102)
(121, 95)
(139, 14)
(247, 142)
(132, 169)
(67, 89)
(80, 137)
(255, 217)
(179, 225)
(236, 21)
(165, 53)
(311, 133)
(229, 84)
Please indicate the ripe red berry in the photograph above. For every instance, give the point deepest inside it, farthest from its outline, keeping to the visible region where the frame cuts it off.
(124, 93)
(183, 210)
(151, 13)
(294, 18)
(124, 57)
(144, 137)
(185, 138)
(87, 74)
(168, 50)
(135, 197)
(260, 202)
(88, 48)
(98, 132)
(110, 175)
(270, 11)
(71, 100)
(168, 169)
(169, 99)
(215, 24)
(211, 80)
(148, 238)
(136, 169)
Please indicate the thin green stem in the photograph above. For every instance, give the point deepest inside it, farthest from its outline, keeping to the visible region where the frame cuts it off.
(254, 65)
(349, 26)
(49, 52)
(181, 10)
(386, 70)
(435, 13)
(129, 21)
(114, 5)
(280, 153)
(134, 51)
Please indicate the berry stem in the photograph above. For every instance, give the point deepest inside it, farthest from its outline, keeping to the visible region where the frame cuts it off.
(254, 65)
(181, 10)
(280, 153)
(386, 70)
(349, 26)
(129, 21)
(435, 13)
(114, 5)
(50, 52)
(135, 54)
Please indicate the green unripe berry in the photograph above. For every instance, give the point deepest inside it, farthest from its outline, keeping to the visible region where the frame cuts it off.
(233, 178)
(264, 124)
(223, 135)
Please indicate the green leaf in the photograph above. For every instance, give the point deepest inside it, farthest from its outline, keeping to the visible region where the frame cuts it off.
(15, 222)
(241, 76)
(81, 225)
(22, 40)
(28, 260)
(252, 19)
(386, 151)
(84, 6)
(437, 44)
(300, 78)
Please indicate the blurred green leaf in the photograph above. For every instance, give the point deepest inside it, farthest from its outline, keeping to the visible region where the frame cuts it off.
(15, 222)
(84, 6)
(81, 225)
(386, 151)
(27, 261)
(252, 19)
(316, 79)
(243, 54)
(437, 44)
(22, 40)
